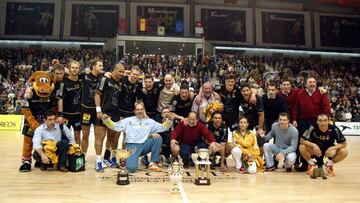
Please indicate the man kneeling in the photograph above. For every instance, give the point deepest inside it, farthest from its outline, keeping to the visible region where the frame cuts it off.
(51, 144)
(319, 141)
(140, 136)
(188, 136)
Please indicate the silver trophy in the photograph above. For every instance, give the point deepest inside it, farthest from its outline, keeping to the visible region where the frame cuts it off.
(202, 167)
(123, 175)
(175, 174)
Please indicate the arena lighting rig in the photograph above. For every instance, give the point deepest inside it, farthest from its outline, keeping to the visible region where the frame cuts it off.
(325, 53)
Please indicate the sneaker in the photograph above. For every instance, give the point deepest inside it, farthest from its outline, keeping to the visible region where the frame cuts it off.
(99, 167)
(269, 169)
(105, 163)
(110, 163)
(301, 167)
(25, 166)
(162, 160)
(311, 168)
(114, 161)
(329, 171)
(145, 160)
(153, 166)
(288, 169)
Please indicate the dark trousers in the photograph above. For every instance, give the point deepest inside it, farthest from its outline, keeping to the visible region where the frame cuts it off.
(62, 149)
(187, 149)
(303, 125)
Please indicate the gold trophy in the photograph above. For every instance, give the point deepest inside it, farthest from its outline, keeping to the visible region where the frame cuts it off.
(123, 175)
(175, 174)
(202, 167)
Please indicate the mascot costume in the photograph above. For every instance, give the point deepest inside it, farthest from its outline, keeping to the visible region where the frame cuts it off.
(41, 101)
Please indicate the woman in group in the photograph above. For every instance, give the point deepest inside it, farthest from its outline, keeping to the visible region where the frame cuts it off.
(246, 153)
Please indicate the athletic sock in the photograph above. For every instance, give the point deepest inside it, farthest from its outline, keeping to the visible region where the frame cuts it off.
(98, 158)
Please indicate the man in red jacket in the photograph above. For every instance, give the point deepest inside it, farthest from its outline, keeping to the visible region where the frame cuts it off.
(309, 103)
(190, 134)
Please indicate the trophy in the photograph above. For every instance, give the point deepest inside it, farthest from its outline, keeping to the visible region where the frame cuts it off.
(175, 174)
(123, 175)
(202, 167)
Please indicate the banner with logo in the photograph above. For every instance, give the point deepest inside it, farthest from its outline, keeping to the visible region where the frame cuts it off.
(224, 25)
(29, 18)
(94, 20)
(283, 28)
(349, 128)
(150, 18)
(10, 122)
(336, 31)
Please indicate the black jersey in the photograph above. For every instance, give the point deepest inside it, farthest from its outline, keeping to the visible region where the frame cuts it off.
(231, 102)
(70, 93)
(181, 107)
(324, 139)
(128, 95)
(88, 90)
(251, 111)
(55, 93)
(220, 134)
(109, 89)
(150, 99)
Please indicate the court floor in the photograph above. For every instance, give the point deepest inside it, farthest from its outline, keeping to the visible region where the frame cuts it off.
(89, 186)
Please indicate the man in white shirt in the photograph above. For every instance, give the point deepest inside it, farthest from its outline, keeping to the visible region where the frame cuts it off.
(50, 130)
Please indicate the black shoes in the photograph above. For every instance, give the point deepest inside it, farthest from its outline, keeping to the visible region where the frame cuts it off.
(25, 166)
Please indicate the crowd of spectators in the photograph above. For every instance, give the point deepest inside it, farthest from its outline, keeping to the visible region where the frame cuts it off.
(341, 77)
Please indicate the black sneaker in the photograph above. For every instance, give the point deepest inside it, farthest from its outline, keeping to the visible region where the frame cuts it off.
(25, 166)
(37, 164)
(145, 161)
(301, 167)
(288, 170)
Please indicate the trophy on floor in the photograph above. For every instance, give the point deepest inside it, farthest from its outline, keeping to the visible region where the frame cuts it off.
(175, 174)
(202, 167)
(123, 175)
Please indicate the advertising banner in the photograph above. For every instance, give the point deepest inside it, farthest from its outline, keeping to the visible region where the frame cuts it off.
(338, 31)
(224, 25)
(29, 18)
(283, 28)
(94, 20)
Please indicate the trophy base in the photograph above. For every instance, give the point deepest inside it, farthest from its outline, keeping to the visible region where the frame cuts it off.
(202, 181)
(123, 179)
(175, 190)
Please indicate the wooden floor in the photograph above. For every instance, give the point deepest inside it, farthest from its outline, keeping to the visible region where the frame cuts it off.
(88, 186)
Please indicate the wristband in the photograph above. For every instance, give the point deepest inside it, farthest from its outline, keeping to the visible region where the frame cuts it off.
(98, 109)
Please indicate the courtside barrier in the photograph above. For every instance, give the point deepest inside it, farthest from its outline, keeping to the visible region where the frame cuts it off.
(11, 122)
(349, 128)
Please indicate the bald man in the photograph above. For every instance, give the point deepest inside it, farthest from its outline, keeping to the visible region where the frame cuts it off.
(107, 101)
(166, 95)
(206, 97)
